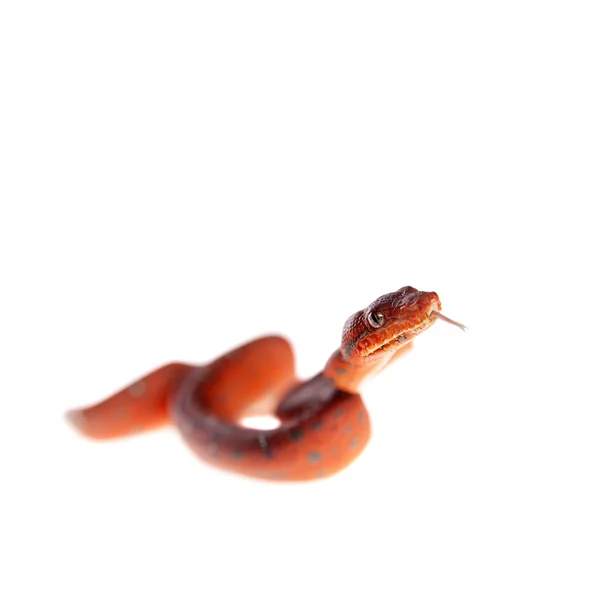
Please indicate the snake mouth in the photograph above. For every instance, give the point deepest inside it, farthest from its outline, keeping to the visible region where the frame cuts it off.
(399, 336)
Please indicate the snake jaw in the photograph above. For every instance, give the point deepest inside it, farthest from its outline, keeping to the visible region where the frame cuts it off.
(397, 339)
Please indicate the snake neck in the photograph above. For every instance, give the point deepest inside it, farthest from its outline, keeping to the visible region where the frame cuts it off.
(346, 375)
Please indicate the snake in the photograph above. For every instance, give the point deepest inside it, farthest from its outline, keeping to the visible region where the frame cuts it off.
(322, 422)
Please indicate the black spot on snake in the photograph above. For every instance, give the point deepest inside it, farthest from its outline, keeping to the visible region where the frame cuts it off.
(296, 434)
(314, 456)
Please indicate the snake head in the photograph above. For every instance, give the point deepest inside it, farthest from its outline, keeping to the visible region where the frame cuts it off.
(388, 324)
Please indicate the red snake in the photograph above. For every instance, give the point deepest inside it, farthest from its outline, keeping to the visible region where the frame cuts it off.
(323, 426)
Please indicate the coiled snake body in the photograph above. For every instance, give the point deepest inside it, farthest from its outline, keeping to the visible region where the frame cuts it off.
(324, 425)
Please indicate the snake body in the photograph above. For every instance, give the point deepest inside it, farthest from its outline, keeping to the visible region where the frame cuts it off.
(323, 423)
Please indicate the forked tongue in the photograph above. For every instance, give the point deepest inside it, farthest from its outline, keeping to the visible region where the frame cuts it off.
(439, 315)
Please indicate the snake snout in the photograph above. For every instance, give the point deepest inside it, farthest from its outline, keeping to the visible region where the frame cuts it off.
(431, 301)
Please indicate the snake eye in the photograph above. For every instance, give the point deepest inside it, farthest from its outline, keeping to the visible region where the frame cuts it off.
(376, 319)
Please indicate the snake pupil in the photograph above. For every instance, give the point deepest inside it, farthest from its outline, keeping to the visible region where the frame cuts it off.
(376, 319)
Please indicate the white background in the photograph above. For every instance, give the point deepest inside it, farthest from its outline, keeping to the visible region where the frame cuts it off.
(179, 177)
